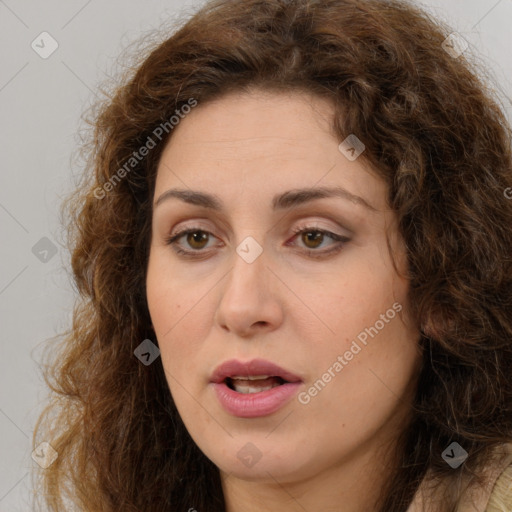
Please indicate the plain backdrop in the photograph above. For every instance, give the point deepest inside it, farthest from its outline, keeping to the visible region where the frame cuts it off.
(41, 103)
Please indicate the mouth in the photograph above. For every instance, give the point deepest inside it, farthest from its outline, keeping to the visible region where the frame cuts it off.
(253, 389)
(252, 376)
(253, 384)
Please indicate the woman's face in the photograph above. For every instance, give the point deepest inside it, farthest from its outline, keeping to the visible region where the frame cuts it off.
(279, 267)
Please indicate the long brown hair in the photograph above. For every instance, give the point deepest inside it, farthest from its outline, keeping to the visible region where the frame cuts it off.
(432, 129)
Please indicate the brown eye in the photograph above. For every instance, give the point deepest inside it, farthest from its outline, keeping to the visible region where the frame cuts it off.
(197, 239)
(312, 239)
(190, 241)
(193, 242)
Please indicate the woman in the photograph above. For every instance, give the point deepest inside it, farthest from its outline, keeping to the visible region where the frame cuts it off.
(294, 261)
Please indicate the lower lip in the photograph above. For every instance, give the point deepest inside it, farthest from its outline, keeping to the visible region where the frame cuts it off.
(252, 405)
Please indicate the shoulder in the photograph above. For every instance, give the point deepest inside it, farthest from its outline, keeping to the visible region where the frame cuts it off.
(494, 496)
(500, 499)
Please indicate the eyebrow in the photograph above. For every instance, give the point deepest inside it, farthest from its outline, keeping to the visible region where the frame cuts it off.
(283, 201)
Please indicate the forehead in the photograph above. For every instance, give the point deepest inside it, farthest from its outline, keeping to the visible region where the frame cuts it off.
(260, 122)
(260, 143)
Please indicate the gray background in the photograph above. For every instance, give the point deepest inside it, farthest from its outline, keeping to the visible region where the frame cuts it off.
(41, 103)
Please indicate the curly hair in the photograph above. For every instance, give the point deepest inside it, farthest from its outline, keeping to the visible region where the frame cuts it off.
(435, 133)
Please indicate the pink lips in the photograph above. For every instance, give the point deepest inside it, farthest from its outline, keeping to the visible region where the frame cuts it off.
(254, 367)
(252, 405)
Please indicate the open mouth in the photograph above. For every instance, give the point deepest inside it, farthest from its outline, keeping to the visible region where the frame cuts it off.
(253, 384)
(254, 388)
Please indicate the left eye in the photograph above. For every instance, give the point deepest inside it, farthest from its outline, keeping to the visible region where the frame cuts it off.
(311, 237)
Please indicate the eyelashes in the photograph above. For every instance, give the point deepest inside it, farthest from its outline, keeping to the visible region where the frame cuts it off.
(308, 234)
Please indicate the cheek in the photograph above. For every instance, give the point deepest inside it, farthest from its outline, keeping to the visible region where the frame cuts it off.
(354, 300)
(172, 299)
(167, 309)
(179, 328)
(364, 311)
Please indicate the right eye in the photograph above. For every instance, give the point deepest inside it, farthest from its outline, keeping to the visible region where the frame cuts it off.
(195, 238)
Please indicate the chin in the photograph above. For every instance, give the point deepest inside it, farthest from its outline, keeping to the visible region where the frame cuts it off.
(255, 458)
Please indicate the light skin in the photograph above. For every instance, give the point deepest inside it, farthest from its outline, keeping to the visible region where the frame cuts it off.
(297, 304)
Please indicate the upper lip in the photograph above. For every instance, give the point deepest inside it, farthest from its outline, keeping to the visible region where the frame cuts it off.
(254, 367)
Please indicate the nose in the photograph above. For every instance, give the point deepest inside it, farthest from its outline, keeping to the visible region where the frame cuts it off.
(250, 302)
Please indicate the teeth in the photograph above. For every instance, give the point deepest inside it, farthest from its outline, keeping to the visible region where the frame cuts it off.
(250, 389)
(250, 377)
